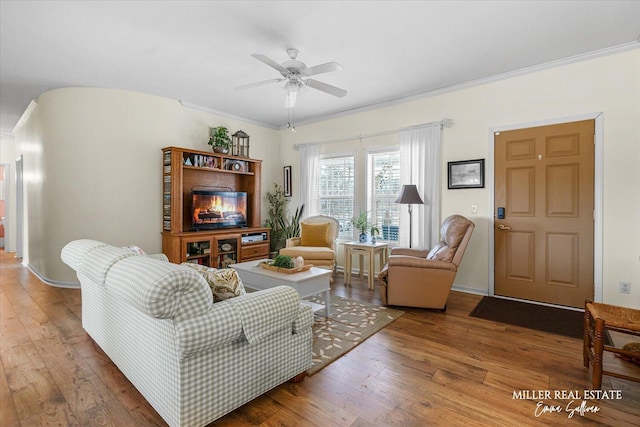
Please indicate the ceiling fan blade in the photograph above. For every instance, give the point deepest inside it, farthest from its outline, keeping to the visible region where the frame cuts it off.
(264, 82)
(271, 63)
(332, 90)
(322, 68)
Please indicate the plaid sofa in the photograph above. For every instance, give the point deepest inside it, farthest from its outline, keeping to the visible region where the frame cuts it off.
(193, 360)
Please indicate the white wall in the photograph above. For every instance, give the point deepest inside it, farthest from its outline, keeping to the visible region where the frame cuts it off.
(610, 85)
(92, 161)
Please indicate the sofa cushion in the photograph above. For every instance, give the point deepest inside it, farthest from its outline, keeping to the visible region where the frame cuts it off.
(314, 234)
(224, 282)
(74, 253)
(264, 312)
(159, 288)
(452, 231)
(441, 252)
(309, 253)
(97, 263)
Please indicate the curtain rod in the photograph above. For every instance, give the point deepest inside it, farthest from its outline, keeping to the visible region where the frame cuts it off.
(443, 123)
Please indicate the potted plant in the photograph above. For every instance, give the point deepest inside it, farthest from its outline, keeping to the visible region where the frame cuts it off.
(276, 217)
(291, 227)
(374, 232)
(220, 140)
(361, 222)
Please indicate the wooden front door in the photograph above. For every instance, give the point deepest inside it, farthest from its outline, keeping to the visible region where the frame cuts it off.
(544, 192)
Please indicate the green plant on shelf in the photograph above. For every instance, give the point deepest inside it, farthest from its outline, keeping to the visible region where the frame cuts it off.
(220, 138)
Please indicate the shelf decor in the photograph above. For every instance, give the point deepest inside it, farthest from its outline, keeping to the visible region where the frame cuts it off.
(240, 144)
(466, 174)
(219, 139)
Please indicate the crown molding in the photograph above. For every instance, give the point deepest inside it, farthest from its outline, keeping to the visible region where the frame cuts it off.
(25, 116)
(6, 135)
(223, 114)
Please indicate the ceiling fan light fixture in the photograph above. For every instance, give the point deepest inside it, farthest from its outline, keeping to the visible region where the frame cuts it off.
(290, 99)
(291, 86)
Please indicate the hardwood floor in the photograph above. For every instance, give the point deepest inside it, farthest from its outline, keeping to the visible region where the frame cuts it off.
(426, 368)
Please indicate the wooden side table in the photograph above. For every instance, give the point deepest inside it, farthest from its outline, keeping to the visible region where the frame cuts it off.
(362, 249)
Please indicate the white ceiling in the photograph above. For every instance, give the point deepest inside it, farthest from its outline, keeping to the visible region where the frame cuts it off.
(199, 51)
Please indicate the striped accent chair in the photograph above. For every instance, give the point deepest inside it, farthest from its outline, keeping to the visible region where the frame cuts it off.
(193, 360)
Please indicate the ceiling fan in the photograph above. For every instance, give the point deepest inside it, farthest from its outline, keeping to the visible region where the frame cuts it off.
(295, 74)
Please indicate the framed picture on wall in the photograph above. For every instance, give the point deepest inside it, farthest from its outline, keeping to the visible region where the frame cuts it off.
(466, 174)
(288, 192)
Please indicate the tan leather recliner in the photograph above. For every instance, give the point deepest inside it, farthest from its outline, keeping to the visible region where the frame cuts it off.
(317, 242)
(422, 278)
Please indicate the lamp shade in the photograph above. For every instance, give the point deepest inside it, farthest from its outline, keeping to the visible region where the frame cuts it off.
(409, 195)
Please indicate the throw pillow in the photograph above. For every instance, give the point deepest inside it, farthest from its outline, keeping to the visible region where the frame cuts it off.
(197, 267)
(224, 283)
(135, 249)
(314, 234)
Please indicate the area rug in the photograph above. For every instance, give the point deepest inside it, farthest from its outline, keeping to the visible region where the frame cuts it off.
(568, 323)
(350, 322)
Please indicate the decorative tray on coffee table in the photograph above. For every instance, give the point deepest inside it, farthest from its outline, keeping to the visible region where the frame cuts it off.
(266, 265)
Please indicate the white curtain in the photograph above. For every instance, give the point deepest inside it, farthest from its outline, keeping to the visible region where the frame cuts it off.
(420, 150)
(309, 163)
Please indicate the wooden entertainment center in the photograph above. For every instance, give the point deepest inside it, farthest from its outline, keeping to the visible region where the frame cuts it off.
(185, 170)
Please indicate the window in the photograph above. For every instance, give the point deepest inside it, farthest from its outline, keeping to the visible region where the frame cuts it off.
(383, 187)
(336, 191)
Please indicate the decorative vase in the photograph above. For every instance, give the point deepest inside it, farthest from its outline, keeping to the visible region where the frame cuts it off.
(363, 238)
(373, 239)
(221, 150)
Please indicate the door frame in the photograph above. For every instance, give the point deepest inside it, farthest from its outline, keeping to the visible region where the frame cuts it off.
(19, 206)
(7, 205)
(597, 199)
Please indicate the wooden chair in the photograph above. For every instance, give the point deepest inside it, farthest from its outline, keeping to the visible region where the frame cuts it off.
(599, 318)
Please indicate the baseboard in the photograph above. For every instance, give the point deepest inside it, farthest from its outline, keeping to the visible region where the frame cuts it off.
(470, 290)
(54, 283)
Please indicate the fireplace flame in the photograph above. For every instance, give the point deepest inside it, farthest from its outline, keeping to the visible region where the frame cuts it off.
(218, 205)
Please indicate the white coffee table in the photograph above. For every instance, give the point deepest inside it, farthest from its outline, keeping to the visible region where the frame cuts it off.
(307, 283)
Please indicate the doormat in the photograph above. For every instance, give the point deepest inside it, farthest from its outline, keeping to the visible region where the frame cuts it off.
(568, 323)
(350, 322)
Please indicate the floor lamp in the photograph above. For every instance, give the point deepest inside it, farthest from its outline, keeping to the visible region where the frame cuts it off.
(409, 196)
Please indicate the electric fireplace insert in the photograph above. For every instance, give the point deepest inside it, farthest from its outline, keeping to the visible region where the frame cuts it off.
(218, 209)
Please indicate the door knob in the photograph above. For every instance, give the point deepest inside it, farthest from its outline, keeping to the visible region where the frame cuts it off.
(502, 227)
